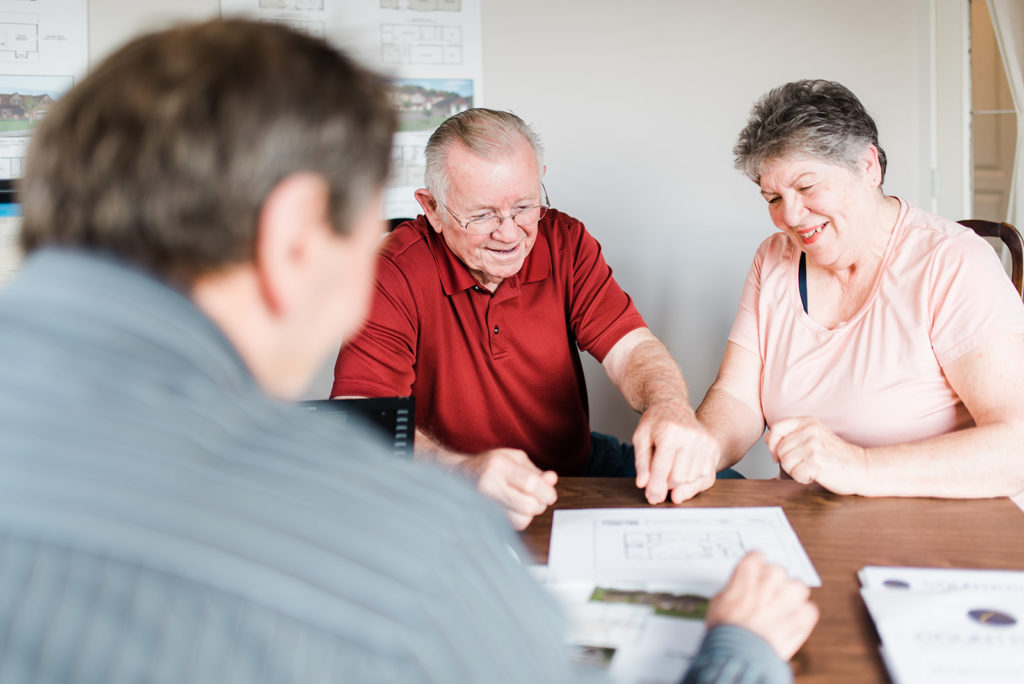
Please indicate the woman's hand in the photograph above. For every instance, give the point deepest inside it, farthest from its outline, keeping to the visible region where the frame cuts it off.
(810, 452)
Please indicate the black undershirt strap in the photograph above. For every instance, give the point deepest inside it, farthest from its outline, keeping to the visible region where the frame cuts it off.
(802, 280)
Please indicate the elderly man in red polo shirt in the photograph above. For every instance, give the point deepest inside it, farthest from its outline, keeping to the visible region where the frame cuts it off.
(481, 307)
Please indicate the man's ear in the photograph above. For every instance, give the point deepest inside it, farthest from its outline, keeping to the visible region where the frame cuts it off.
(431, 209)
(290, 225)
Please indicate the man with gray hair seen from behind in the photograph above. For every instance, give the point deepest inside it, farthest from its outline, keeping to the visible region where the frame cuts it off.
(202, 215)
(482, 306)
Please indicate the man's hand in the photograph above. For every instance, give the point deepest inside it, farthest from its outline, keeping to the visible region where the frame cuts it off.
(673, 453)
(761, 598)
(509, 477)
(810, 452)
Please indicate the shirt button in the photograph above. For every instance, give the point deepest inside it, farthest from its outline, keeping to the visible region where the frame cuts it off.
(495, 330)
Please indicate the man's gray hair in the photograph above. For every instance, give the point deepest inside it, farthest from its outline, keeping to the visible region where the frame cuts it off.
(811, 118)
(487, 133)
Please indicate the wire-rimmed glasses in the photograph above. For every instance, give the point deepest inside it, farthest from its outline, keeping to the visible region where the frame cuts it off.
(485, 224)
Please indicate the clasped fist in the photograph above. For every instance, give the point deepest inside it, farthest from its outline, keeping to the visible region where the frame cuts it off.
(810, 452)
(509, 477)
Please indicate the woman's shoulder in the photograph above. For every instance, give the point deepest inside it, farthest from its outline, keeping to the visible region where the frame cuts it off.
(943, 244)
(931, 231)
(775, 249)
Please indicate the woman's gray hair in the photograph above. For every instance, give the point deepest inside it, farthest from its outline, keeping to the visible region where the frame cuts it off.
(810, 118)
(487, 133)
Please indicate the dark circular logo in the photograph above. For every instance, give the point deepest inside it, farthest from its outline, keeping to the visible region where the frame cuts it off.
(995, 618)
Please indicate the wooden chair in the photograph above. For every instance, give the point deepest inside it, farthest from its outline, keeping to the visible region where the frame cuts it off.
(1011, 238)
(395, 222)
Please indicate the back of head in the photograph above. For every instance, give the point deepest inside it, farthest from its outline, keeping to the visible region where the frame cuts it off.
(811, 118)
(487, 133)
(163, 155)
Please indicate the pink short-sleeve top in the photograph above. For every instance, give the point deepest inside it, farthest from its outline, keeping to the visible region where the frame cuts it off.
(877, 378)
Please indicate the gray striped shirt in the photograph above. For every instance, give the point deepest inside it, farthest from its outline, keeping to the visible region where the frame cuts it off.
(161, 520)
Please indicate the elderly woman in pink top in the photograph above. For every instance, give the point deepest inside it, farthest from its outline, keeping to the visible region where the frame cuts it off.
(882, 346)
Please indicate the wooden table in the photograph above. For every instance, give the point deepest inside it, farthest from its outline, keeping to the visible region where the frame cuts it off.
(841, 534)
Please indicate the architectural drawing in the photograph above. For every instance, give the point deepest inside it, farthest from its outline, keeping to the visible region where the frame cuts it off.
(423, 5)
(315, 29)
(697, 547)
(430, 49)
(19, 37)
(642, 542)
(420, 44)
(296, 5)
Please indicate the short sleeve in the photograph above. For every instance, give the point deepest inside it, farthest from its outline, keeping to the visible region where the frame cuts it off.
(746, 325)
(380, 360)
(970, 298)
(601, 313)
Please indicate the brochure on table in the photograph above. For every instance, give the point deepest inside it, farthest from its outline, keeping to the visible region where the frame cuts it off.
(945, 626)
(636, 582)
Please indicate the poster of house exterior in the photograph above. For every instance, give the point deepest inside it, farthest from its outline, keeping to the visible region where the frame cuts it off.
(43, 50)
(431, 50)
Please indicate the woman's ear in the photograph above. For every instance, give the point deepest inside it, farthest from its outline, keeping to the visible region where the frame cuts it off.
(872, 166)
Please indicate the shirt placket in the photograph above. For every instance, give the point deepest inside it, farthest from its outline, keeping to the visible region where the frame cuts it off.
(495, 318)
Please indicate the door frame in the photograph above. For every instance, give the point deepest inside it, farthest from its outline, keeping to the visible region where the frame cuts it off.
(950, 85)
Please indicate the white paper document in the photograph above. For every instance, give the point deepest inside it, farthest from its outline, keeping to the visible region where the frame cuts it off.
(637, 635)
(636, 582)
(940, 579)
(697, 547)
(948, 626)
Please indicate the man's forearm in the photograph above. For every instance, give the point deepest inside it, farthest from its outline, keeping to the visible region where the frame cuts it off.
(646, 373)
(427, 448)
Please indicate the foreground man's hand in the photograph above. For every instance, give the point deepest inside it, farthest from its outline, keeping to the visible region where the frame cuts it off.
(509, 477)
(761, 598)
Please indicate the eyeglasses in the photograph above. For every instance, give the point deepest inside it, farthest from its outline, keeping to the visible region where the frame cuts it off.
(486, 224)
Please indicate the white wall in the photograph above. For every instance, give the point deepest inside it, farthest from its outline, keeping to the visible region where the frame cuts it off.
(639, 103)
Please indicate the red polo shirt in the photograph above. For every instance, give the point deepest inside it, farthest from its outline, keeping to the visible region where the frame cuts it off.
(491, 370)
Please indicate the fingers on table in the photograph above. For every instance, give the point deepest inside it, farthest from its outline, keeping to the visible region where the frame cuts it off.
(642, 456)
(681, 460)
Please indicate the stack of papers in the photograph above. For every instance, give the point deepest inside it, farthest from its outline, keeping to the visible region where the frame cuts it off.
(945, 626)
(636, 581)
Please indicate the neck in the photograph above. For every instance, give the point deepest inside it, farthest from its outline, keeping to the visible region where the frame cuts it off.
(488, 284)
(867, 254)
(230, 299)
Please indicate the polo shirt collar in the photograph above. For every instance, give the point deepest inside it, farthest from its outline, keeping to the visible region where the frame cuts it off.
(455, 277)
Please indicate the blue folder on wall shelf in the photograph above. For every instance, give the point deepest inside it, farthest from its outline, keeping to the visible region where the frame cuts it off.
(395, 416)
